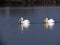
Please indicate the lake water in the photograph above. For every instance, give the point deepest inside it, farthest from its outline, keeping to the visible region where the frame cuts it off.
(36, 33)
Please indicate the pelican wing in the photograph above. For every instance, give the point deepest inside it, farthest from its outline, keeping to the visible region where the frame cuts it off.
(26, 21)
(51, 21)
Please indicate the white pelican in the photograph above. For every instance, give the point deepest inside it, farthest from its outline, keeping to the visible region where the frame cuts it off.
(24, 23)
(49, 23)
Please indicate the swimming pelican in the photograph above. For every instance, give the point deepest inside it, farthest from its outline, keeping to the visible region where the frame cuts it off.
(24, 23)
(48, 21)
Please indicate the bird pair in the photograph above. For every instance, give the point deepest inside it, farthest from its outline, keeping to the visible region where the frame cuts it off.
(26, 23)
(22, 21)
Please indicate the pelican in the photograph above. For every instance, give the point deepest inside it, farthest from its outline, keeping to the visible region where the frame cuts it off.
(48, 21)
(24, 23)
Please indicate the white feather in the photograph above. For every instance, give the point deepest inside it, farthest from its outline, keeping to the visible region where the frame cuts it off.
(25, 22)
(51, 21)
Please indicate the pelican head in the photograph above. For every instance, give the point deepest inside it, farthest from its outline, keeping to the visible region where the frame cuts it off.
(20, 19)
(46, 20)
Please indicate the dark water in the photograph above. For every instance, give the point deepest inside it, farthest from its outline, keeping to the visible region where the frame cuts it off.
(36, 34)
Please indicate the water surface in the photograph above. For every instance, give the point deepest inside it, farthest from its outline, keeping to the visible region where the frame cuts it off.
(36, 34)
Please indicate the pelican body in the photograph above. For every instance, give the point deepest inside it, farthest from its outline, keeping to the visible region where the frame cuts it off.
(23, 21)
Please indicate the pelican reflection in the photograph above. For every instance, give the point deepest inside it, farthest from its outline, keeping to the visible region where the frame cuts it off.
(49, 25)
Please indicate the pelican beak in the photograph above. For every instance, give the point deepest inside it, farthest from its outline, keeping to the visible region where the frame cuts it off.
(19, 20)
(44, 20)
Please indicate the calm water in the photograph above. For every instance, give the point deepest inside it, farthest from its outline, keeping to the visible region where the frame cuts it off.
(36, 34)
